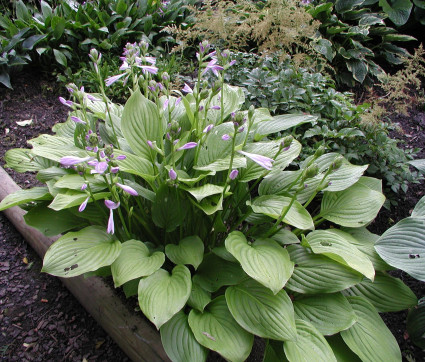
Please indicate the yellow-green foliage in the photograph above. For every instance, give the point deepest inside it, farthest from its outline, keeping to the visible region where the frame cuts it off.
(242, 24)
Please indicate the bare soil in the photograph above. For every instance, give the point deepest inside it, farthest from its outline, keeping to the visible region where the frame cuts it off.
(39, 319)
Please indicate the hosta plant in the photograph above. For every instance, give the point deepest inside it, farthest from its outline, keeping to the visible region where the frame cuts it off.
(182, 198)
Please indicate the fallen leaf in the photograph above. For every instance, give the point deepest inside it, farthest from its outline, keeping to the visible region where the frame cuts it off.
(25, 260)
(24, 123)
(99, 344)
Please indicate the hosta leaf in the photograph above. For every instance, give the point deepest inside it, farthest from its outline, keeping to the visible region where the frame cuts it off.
(79, 252)
(403, 246)
(339, 246)
(310, 342)
(216, 329)
(329, 313)
(419, 164)
(315, 274)
(223, 164)
(190, 250)
(140, 123)
(52, 173)
(179, 342)
(261, 312)
(74, 198)
(359, 69)
(215, 272)
(22, 160)
(51, 222)
(25, 196)
(201, 192)
(341, 350)
(387, 294)
(273, 206)
(281, 123)
(135, 165)
(369, 337)
(353, 207)
(199, 297)
(398, 11)
(74, 182)
(135, 261)
(233, 98)
(265, 260)
(419, 210)
(416, 324)
(162, 295)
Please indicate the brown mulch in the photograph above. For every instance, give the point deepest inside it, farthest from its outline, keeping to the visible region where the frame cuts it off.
(39, 319)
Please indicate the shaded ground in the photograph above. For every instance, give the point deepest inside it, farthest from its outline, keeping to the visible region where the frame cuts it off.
(39, 319)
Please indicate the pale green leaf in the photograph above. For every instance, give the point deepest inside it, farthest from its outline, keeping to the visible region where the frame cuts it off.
(260, 312)
(216, 329)
(419, 210)
(135, 261)
(162, 295)
(25, 196)
(23, 160)
(369, 337)
(79, 252)
(201, 192)
(233, 99)
(189, 250)
(265, 260)
(74, 198)
(75, 181)
(199, 297)
(281, 123)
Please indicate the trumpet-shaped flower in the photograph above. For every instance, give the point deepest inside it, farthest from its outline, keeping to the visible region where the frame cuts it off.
(100, 167)
(128, 189)
(233, 174)
(65, 102)
(77, 120)
(213, 66)
(111, 206)
(72, 160)
(149, 69)
(172, 174)
(111, 80)
(84, 204)
(225, 137)
(263, 161)
(187, 146)
(187, 89)
(208, 128)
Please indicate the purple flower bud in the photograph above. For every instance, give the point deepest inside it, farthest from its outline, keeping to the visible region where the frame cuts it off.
(92, 98)
(111, 80)
(178, 100)
(150, 60)
(102, 154)
(263, 161)
(165, 104)
(150, 144)
(216, 107)
(149, 69)
(201, 108)
(187, 146)
(233, 174)
(115, 169)
(241, 129)
(225, 137)
(168, 136)
(208, 128)
(83, 205)
(232, 62)
(121, 157)
(93, 163)
(65, 102)
(72, 160)
(83, 186)
(88, 148)
(111, 205)
(100, 167)
(172, 174)
(175, 141)
(128, 189)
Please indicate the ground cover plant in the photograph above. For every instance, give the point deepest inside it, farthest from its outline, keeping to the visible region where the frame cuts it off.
(191, 185)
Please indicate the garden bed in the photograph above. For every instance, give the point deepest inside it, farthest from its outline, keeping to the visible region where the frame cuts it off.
(40, 319)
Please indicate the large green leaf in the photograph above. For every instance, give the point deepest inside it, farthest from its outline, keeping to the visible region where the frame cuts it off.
(79, 252)
(329, 313)
(403, 246)
(22, 160)
(359, 69)
(419, 210)
(340, 246)
(51, 222)
(419, 164)
(179, 342)
(315, 274)
(24, 196)
(140, 123)
(75, 181)
(135, 261)
(135, 165)
(201, 192)
(281, 123)
(189, 250)
(387, 294)
(199, 297)
(310, 342)
(369, 337)
(354, 207)
(273, 206)
(162, 295)
(215, 272)
(264, 260)
(233, 99)
(341, 350)
(216, 329)
(416, 324)
(398, 11)
(71, 198)
(261, 312)
(342, 6)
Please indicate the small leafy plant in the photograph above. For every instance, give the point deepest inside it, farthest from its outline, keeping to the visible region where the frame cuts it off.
(185, 201)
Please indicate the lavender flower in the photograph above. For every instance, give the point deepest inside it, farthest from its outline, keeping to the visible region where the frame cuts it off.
(111, 80)
(150, 144)
(208, 128)
(114, 169)
(213, 66)
(92, 98)
(172, 174)
(84, 204)
(128, 189)
(65, 102)
(100, 167)
(149, 69)
(83, 186)
(225, 137)
(121, 157)
(233, 174)
(77, 120)
(166, 104)
(187, 146)
(263, 161)
(111, 206)
(178, 100)
(72, 160)
(187, 89)
(216, 108)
